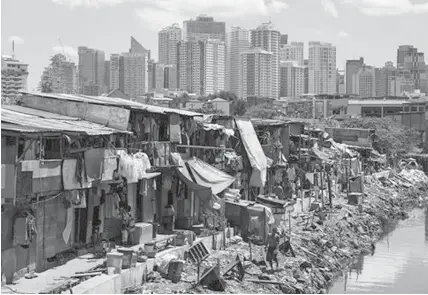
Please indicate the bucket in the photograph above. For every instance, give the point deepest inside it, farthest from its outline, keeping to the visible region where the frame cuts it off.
(150, 250)
(127, 257)
(114, 262)
(175, 269)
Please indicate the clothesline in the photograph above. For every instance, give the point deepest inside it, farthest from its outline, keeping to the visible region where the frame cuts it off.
(46, 200)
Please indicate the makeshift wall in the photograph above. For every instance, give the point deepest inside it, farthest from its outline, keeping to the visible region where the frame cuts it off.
(148, 196)
(51, 221)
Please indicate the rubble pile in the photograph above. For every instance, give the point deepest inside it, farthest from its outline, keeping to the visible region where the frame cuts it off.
(324, 246)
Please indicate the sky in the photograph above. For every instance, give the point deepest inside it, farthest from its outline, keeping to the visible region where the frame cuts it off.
(372, 29)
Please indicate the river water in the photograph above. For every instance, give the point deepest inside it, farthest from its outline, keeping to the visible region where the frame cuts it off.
(398, 265)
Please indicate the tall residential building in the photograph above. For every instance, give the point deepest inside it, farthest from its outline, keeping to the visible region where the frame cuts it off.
(399, 85)
(238, 41)
(292, 79)
(107, 75)
(138, 49)
(322, 68)
(204, 27)
(424, 82)
(292, 52)
(91, 71)
(415, 63)
(114, 72)
(284, 39)
(306, 76)
(267, 38)
(132, 74)
(364, 83)
(167, 44)
(340, 82)
(402, 51)
(61, 75)
(170, 77)
(158, 76)
(14, 76)
(352, 67)
(201, 66)
(383, 77)
(256, 69)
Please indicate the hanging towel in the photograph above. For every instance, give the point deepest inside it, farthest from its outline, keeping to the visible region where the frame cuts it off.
(174, 128)
(93, 160)
(310, 177)
(67, 230)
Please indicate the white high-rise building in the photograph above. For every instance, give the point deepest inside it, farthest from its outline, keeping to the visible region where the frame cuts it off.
(238, 41)
(91, 71)
(114, 72)
(14, 76)
(256, 69)
(167, 44)
(292, 52)
(131, 74)
(292, 79)
(267, 38)
(201, 66)
(322, 68)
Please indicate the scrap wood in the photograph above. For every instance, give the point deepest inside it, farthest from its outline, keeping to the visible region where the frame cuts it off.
(237, 263)
(264, 281)
(86, 274)
(59, 287)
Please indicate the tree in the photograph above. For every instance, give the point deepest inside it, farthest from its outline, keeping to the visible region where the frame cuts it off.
(46, 87)
(390, 137)
(226, 95)
(239, 107)
(263, 111)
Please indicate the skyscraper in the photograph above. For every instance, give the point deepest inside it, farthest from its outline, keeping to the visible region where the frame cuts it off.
(415, 63)
(170, 79)
(292, 52)
(256, 70)
(283, 40)
(14, 76)
(204, 27)
(201, 66)
(132, 74)
(306, 76)
(158, 78)
(107, 75)
(383, 77)
(363, 82)
(114, 72)
(138, 50)
(401, 53)
(267, 38)
(352, 67)
(61, 74)
(167, 44)
(91, 71)
(322, 68)
(238, 41)
(291, 79)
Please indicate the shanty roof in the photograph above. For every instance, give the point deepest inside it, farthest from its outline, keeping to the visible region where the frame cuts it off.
(115, 101)
(27, 120)
(268, 122)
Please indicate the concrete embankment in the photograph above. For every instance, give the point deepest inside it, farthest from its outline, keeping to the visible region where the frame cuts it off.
(324, 247)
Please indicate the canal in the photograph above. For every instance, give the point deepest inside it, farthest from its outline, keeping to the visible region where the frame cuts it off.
(398, 265)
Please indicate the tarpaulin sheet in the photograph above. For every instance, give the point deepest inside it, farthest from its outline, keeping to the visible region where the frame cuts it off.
(254, 151)
(184, 175)
(209, 176)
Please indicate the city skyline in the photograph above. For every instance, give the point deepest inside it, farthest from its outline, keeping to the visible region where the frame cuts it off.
(326, 21)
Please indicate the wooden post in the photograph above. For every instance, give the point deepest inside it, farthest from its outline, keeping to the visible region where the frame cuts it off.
(322, 187)
(329, 191)
(251, 251)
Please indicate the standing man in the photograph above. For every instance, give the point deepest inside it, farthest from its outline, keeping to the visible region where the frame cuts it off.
(272, 247)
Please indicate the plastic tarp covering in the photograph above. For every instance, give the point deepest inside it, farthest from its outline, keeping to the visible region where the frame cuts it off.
(184, 175)
(255, 152)
(209, 176)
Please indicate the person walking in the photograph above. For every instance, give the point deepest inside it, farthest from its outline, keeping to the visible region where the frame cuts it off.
(272, 248)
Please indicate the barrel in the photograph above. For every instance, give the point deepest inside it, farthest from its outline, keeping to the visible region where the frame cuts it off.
(114, 262)
(127, 257)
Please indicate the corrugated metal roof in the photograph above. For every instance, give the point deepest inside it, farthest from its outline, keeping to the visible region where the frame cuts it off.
(22, 119)
(115, 101)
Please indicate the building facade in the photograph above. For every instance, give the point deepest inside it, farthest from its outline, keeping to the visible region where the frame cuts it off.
(364, 82)
(292, 75)
(306, 75)
(322, 68)
(61, 75)
(292, 52)
(114, 71)
(167, 44)
(170, 77)
(132, 74)
(91, 71)
(256, 69)
(352, 67)
(414, 62)
(138, 49)
(158, 79)
(266, 37)
(238, 41)
(14, 76)
(201, 66)
(204, 27)
(399, 85)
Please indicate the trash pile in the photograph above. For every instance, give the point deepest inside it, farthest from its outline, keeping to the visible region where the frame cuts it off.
(324, 245)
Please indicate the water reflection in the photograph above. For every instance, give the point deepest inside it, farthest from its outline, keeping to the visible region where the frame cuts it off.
(399, 265)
